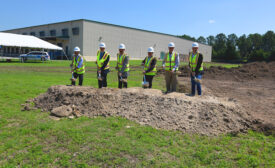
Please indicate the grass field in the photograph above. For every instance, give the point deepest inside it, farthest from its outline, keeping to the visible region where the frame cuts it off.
(32, 139)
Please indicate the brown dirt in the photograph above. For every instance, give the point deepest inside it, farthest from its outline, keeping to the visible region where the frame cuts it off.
(205, 115)
(234, 100)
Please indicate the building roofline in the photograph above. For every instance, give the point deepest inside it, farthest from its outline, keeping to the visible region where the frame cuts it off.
(92, 21)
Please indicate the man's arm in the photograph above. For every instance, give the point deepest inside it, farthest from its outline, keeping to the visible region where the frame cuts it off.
(177, 62)
(125, 62)
(143, 62)
(163, 61)
(105, 63)
(80, 62)
(151, 67)
(200, 60)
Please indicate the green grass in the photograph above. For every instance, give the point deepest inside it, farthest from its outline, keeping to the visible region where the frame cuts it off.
(31, 139)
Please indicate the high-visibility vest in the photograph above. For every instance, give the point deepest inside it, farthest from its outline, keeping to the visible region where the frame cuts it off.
(101, 61)
(120, 61)
(193, 61)
(170, 63)
(80, 70)
(147, 65)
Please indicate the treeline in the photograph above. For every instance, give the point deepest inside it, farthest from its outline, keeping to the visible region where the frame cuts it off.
(246, 48)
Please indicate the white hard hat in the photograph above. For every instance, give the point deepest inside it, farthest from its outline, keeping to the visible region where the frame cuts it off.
(151, 49)
(77, 49)
(195, 45)
(102, 45)
(121, 46)
(171, 44)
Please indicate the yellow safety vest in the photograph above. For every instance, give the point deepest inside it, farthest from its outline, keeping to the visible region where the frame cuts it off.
(120, 60)
(194, 61)
(147, 65)
(80, 70)
(170, 63)
(101, 61)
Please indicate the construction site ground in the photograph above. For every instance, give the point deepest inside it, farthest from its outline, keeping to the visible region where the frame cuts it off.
(214, 130)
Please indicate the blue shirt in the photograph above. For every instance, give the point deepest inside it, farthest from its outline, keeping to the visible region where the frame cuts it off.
(101, 54)
(80, 62)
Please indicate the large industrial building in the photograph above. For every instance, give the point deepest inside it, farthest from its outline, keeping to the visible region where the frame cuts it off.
(88, 34)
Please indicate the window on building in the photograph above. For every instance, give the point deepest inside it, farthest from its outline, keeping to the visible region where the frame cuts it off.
(32, 33)
(42, 33)
(65, 32)
(53, 32)
(75, 30)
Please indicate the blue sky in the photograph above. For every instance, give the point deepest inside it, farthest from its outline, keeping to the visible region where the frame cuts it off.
(177, 17)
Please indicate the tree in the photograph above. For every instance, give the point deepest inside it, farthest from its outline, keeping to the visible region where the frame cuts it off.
(268, 41)
(210, 40)
(202, 40)
(243, 45)
(230, 52)
(256, 40)
(187, 37)
(220, 46)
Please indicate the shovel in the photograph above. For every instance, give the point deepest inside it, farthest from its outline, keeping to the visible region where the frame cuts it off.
(99, 77)
(197, 80)
(123, 80)
(72, 79)
(145, 84)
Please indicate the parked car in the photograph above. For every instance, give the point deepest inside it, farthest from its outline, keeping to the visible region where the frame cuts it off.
(35, 56)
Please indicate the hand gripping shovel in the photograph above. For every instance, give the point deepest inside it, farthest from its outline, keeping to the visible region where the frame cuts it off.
(72, 79)
(122, 80)
(145, 84)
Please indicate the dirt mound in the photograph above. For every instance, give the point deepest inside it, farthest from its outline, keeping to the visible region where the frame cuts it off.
(250, 71)
(203, 115)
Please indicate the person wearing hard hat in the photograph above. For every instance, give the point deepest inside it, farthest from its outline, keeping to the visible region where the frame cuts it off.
(78, 66)
(123, 66)
(150, 67)
(196, 68)
(103, 65)
(170, 64)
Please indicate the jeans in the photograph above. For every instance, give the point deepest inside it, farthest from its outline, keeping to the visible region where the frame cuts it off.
(80, 79)
(194, 84)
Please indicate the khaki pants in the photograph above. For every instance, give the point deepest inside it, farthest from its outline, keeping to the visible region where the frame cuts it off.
(171, 81)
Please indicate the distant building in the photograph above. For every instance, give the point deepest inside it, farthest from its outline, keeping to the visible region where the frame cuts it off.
(88, 34)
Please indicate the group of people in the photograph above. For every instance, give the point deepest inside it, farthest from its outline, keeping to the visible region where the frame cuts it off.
(170, 64)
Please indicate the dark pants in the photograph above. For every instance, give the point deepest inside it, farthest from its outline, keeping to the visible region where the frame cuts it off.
(120, 83)
(149, 78)
(103, 82)
(194, 84)
(80, 79)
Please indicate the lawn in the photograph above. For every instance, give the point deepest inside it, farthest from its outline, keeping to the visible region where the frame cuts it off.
(32, 139)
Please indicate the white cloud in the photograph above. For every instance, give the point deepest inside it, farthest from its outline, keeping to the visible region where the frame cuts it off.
(211, 21)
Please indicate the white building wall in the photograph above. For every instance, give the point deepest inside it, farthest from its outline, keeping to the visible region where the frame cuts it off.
(74, 40)
(136, 41)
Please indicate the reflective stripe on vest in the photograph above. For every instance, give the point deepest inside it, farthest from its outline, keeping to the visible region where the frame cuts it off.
(80, 70)
(194, 61)
(147, 65)
(120, 60)
(101, 61)
(170, 64)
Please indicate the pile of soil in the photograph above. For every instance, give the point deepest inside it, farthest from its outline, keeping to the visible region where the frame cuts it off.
(249, 71)
(205, 115)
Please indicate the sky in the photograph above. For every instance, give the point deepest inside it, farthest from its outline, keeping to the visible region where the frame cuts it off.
(177, 17)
